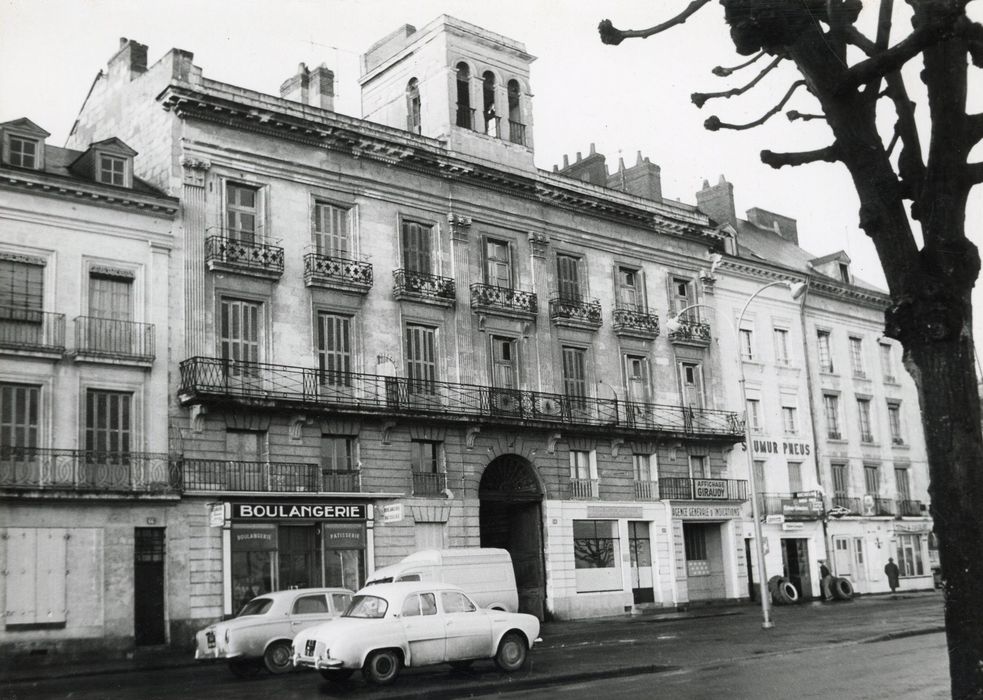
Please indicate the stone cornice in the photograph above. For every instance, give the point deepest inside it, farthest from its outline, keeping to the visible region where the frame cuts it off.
(241, 109)
(821, 286)
(49, 185)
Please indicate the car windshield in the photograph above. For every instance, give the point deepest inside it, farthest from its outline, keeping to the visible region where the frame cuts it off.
(256, 606)
(384, 579)
(368, 606)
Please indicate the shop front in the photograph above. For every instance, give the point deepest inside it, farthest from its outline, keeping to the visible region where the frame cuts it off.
(706, 568)
(794, 541)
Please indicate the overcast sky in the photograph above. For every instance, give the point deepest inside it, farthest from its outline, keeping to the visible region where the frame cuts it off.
(626, 99)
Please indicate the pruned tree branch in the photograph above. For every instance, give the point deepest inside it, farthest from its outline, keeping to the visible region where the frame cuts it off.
(700, 98)
(974, 123)
(883, 38)
(794, 115)
(714, 124)
(974, 172)
(723, 72)
(974, 40)
(614, 36)
(830, 154)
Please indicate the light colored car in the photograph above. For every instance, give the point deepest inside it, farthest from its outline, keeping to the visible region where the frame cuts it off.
(417, 623)
(261, 633)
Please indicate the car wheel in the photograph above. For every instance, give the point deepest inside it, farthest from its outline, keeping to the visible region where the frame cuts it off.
(243, 668)
(277, 657)
(382, 667)
(336, 675)
(461, 665)
(511, 654)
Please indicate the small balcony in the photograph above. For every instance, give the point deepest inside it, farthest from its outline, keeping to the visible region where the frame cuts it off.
(635, 322)
(575, 312)
(421, 286)
(646, 490)
(429, 483)
(222, 475)
(584, 489)
(247, 257)
(342, 274)
(691, 332)
(108, 340)
(517, 133)
(503, 301)
(493, 125)
(833, 435)
(801, 506)
(897, 441)
(689, 489)
(32, 332)
(848, 503)
(81, 471)
(910, 509)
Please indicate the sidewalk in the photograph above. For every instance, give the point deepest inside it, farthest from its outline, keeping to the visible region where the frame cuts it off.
(655, 641)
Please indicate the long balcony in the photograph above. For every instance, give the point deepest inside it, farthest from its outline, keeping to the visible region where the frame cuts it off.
(635, 322)
(429, 483)
(265, 477)
(583, 489)
(108, 339)
(575, 312)
(689, 489)
(792, 506)
(337, 273)
(86, 471)
(421, 286)
(909, 508)
(250, 257)
(236, 383)
(848, 503)
(30, 331)
(691, 332)
(503, 301)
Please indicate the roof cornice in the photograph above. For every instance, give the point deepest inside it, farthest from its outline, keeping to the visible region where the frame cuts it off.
(821, 286)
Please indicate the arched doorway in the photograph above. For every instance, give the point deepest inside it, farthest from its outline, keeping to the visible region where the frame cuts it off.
(511, 518)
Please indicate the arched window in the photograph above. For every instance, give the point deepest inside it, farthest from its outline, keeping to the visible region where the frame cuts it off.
(413, 106)
(488, 104)
(517, 130)
(465, 114)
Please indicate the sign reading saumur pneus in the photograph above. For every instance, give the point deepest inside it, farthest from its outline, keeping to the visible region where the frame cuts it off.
(784, 447)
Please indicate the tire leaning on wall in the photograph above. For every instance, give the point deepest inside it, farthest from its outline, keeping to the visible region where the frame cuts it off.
(779, 595)
(842, 588)
(789, 592)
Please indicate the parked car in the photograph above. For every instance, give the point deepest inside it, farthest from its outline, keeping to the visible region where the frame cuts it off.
(261, 633)
(484, 573)
(414, 623)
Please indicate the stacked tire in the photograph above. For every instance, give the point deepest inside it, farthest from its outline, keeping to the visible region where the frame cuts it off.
(783, 592)
(841, 588)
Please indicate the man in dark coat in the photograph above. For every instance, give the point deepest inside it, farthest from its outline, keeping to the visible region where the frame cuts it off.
(892, 572)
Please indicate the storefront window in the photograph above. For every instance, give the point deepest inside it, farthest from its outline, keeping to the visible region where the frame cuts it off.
(910, 555)
(597, 555)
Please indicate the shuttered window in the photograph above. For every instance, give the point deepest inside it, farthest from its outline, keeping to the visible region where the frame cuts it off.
(36, 572)
(110, 297)
(417, 247)
(628, 288)
(334, 349)
(239, 332)
(498, 263)
(503, 362)
(421, 358)
(568, 277)
(21, 288)
(108, 421)
(19, 415)
(332, 230)
(574, 374)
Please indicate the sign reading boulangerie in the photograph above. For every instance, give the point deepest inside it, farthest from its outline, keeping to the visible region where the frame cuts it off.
(298, 511)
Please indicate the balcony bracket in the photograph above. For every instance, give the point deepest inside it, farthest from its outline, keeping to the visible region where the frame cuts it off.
(297, 423)
(387, 429)
(616, 445)
(471, 436)
(551, 441)
(198, 413)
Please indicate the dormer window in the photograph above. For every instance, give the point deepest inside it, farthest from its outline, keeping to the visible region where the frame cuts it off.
(111, 170)
(108, 162)
(22, 152)
(23, 144)
(844, 273)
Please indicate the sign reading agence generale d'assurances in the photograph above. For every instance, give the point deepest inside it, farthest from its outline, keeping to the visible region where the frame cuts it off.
(298, 511)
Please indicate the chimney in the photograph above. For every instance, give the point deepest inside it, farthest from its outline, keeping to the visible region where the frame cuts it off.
(322, 87)
(784, 226)
(131, 57)
(644, 179)
(717, 202)
(591, 169)
(297, 88)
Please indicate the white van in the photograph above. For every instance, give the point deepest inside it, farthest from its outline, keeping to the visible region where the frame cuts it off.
(484, 574)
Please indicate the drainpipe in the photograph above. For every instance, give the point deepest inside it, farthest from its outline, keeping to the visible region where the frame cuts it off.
(672, 554)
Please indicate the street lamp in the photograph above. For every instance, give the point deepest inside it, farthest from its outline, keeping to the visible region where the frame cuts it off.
(797, 289)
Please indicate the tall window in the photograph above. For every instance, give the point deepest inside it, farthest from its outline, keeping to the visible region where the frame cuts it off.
(337, 453)
(747, 344)
(790, 420)
(894, 421)
(902, 484)
(19, 415)
(841, 482)
(421, 359)
(629, 294)
(863, 410)
(887, 363)
(413, 106)
(795, 476)
(642, 467)
(781, 346)
(488, 103)
(417, 247)
(637, 377)
(239, 332)
(334, 349)
(574, 375)
(754, 414)
(332, 230)
(21, 290)
(425, 456)
(568, 277)
(112, 170)
(699, 467)
(582, 465)
(825, 357)
(872, 479)
(692, 384)
(831, 409)
(110, 297)
(241, 212)
(857, 356)
(504, 366)
(910, 555)
(465, 114)
(683, 296)
(23, 152)
(695, 547)
(844, 273)
(498, 263)
(108, 422)
(516, 130)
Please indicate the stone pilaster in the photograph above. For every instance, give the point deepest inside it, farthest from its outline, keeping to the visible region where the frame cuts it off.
(540, 351)
(464, 319)
(196, 311)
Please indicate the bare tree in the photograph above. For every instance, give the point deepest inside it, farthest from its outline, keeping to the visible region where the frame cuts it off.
(902, 182)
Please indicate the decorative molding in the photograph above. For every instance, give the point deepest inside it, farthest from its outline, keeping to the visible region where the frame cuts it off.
(539, 243)
(708, 283)
(387, 430)
(471, 435)
(194, 170)
(109, 271)
(197, 415)
(460, 225)
(21, 258)
(551, 441)
(297, 423)
(616, 445)
(430, 514)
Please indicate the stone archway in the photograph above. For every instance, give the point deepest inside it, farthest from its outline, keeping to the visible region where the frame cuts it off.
(511, 518)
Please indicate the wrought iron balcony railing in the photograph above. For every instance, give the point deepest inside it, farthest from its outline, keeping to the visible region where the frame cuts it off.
(423, 286)
(265, 477)
(87, 471)
(218, 381)
(429, 483)
(794, 506)
(833, 435)
(884, 506)
(635, 321)
(337, 273)
(119, 340)
(584, 489)
(907, 507)
(30, 330)
(646, 490)
(691, 331)
(517, 132)
(579, 312)
(848, 502)
(465, 116)
(492, 299)
(690, 489)
(235, 255)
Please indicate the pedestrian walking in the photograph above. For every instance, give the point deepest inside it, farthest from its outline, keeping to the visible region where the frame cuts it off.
(892, 572)
(825, 580)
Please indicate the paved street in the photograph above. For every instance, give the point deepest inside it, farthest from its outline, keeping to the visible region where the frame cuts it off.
(845, 650)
